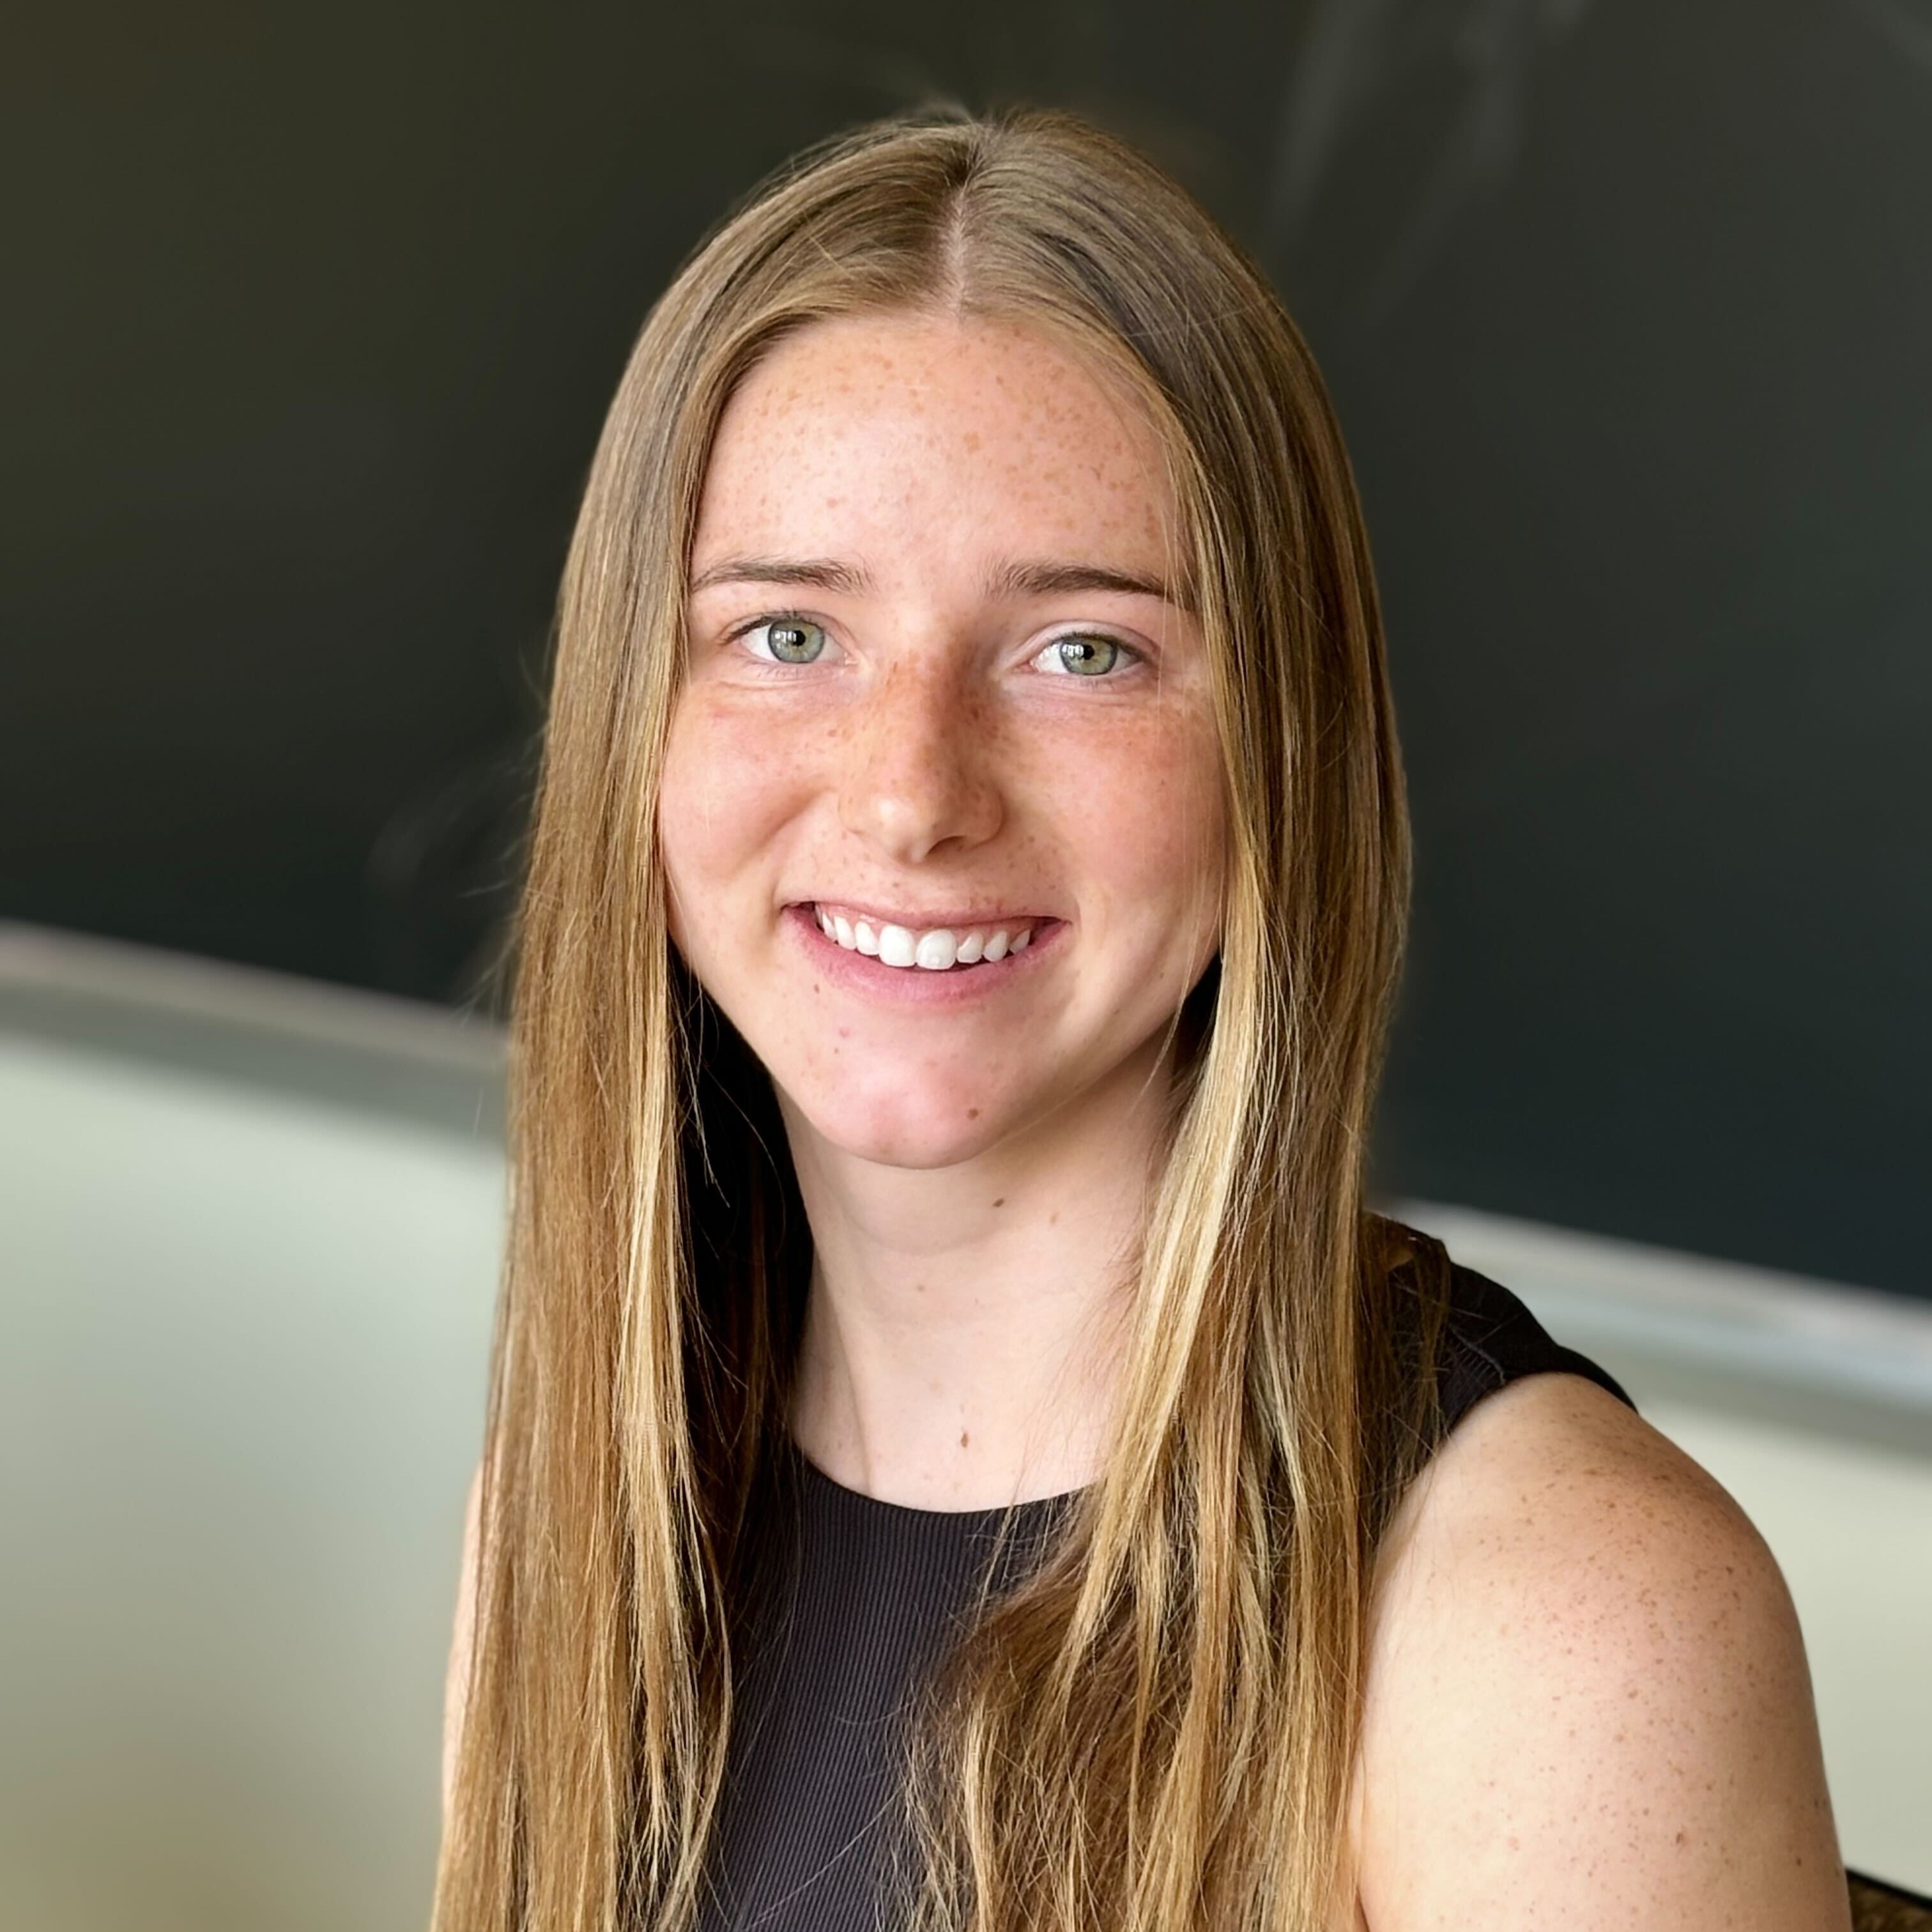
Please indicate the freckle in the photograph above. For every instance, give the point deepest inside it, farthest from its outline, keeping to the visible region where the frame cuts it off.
(1053, 1217)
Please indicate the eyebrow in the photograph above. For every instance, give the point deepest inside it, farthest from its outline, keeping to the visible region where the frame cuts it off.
(813, 573)
(1039, 579)
(1047, 580)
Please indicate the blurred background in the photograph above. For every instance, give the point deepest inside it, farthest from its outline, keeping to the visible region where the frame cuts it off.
(313, 315)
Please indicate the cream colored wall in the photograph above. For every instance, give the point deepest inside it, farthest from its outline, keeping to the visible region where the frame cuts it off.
(242, 1341)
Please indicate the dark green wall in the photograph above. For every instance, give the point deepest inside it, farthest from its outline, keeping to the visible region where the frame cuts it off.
(314, 310)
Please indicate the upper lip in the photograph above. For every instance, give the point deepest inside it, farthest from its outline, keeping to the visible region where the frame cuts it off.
(951, 918)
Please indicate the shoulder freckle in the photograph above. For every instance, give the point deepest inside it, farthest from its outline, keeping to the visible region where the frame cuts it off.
(1552, 1500)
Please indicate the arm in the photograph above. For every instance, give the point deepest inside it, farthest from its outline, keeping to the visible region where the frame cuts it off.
(1588, 1704)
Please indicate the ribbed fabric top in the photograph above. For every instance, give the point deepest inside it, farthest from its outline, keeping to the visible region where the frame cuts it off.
(860, 1599)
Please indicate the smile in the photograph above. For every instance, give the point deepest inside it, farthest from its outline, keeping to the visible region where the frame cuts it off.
(933, 949)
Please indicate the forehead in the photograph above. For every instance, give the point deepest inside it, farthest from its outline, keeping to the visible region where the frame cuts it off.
(935, 434)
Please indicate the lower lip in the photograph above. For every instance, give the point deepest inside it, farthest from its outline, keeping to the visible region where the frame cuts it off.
(917, 985)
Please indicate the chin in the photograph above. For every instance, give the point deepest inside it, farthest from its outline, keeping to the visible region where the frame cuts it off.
(905, 1130)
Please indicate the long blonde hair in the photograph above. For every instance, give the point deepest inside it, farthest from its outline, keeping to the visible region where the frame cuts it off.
(1156, 1731)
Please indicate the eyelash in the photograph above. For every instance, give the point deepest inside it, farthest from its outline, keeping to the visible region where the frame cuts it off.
(1132, 656)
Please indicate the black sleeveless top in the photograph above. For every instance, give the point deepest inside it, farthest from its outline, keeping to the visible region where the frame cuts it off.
(858, 1599)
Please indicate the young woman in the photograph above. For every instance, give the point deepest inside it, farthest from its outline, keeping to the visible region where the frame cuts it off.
(960, 1454)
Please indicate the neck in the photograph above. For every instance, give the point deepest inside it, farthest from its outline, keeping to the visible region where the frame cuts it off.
(963, 1329)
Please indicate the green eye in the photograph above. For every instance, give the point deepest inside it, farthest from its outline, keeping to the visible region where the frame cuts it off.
(1085, 657)
(791, 640)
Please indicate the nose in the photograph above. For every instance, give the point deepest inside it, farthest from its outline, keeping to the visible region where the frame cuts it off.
(917, 774)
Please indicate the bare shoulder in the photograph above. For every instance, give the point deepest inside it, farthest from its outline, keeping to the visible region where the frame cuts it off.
(1587, 1700)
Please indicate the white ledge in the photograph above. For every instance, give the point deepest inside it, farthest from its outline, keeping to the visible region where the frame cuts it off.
(1738, 1322)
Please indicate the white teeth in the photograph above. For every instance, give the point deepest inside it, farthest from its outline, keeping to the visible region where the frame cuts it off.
(937, 949)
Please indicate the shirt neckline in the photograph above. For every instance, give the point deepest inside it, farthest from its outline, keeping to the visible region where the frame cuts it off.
(857, 1502)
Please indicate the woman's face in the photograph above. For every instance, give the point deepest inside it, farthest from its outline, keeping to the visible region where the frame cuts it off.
(942, 815)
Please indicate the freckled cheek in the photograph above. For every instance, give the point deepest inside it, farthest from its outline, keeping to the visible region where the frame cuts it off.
(1147, 820)
(730, 788)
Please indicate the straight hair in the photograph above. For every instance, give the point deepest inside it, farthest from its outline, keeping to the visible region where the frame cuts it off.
(1156, 1731)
